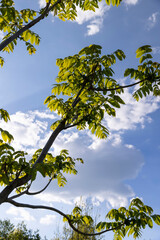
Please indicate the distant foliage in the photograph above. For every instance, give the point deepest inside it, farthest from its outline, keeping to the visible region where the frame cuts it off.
(8, 231)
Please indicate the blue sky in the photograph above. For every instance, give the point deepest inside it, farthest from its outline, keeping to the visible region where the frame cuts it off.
(124, 166)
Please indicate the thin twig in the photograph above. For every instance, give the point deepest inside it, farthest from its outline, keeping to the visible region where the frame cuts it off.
(116, 88)
(34, 193)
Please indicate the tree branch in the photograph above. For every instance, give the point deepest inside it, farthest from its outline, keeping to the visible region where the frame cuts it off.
(62, 214)
(29, 25)
(121, 87)
(21, 181)
(34, 193)
(77, 99)
(116, 88)
(29, 193)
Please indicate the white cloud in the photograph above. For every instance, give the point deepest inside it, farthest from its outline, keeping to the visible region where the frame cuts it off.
(152, 20)
(156, 50)
(42, 3)
(94, 20)
(129, 146)
(131, 2)
(49, 197)
(132, 113)
(101, 177)
(28, 128)
(20, 214)
(48, 219)
(1, 35)
(94, 26)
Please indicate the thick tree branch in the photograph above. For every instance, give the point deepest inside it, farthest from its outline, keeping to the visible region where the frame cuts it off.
(62, 214)
(29, 25)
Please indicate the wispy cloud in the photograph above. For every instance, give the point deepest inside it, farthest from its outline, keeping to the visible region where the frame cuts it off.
(130, 2)
(152, 20)
(133, 113)
(47, 219)
(94, 26)
(94, 20)
(20, 214)
(1, 35)
(27, 128)
(42, 3)
(156, 50)
(101, 177)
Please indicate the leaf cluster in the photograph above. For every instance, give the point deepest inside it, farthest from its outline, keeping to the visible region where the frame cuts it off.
(78, 79)
(12, 20)
(55, 167)
(148, 73)
(77, 217)
(123, 222)
(131, 221)
(13, 165)
(6, 136)
(67, 10)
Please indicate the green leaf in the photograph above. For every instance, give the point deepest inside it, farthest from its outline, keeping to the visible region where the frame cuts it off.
(150, 223)
(1, 61)
(156, 219)
(142, 50)
(114, 103)
(143, 58)
(4, 115)
(118, 99)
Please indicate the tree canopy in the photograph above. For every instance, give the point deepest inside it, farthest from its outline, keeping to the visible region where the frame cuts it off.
(8, 231)
(86, 90)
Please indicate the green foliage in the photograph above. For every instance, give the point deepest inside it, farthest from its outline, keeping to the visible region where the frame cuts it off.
(148, 73)
(6, 136)
(67, 10)
(1, 61)
(131, 221)
(13, 165)
(54, 167)
(81, 217)
(79, 78)
(123, 222)
(9, 232)
(6, 227)
(86, 80)
(4, 115)
(12, 20)
(114, 2)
